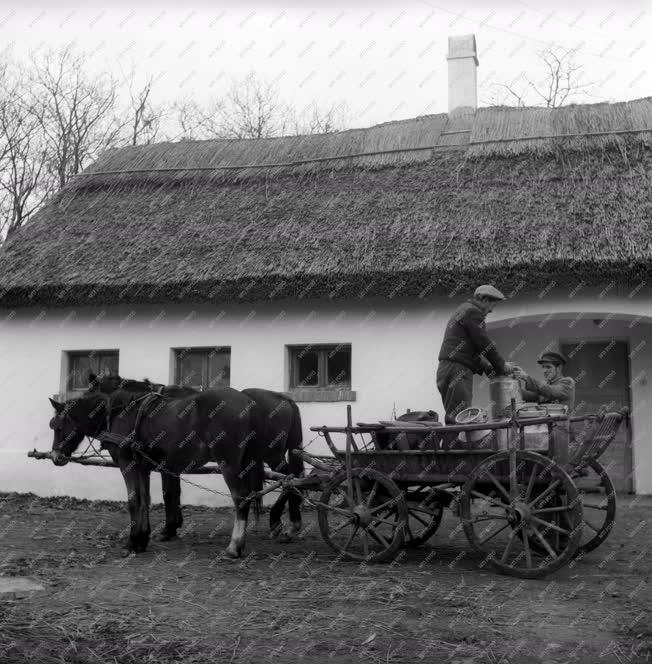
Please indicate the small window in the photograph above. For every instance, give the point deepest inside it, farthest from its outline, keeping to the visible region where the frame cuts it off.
(83, 362)
(203, 368)
(320, 367)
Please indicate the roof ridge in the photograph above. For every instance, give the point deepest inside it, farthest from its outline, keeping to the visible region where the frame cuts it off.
(311, 160)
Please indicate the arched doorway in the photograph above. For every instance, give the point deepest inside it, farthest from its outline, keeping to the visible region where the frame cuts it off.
(609, 360)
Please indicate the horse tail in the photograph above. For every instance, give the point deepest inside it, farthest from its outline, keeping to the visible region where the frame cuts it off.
(295, 441)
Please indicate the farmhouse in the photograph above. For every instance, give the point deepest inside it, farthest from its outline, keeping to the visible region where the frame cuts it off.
(327, 266)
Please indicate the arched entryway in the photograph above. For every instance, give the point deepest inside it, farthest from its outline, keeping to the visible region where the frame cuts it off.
(610, 360)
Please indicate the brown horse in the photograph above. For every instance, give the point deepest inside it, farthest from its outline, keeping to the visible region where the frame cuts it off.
(150, 432)
(170, 483)
(281, 432)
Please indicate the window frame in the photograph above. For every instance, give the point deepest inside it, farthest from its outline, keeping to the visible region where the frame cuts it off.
(69, 358)
(323, 391)
(206, 350)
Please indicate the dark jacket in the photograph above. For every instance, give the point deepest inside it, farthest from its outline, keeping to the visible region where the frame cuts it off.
(561, 390)
(466, 341)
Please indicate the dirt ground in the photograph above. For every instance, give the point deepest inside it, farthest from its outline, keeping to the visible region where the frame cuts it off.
(181, 602)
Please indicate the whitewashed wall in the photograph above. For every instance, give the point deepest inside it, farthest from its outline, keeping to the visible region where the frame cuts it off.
(394, 349)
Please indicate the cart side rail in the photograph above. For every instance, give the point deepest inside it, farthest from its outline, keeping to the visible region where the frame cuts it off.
(596, 436)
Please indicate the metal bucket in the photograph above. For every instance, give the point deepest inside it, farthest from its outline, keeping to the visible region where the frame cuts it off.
(501, 392)
(557, 409)
(472, 416)
(536, 436)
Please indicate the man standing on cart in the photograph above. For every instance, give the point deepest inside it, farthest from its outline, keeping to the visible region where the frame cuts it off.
(467, 349)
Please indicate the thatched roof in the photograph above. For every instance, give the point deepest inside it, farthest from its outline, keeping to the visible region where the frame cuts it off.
(517, 197)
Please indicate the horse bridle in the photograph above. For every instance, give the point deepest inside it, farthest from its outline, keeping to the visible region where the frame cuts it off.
(102, 433)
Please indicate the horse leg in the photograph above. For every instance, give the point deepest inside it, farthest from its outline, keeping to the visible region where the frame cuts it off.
(237, 543)
(137, 482)
(295, 500)
(276, 512)
(172, 499)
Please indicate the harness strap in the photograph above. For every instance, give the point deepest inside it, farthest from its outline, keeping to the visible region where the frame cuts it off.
(108, 437)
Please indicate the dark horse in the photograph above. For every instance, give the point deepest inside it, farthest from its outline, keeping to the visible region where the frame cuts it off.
(150, 432)
(281, 431)
(170, 483)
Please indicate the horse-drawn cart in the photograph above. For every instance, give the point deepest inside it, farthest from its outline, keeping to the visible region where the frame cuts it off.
(527, 513)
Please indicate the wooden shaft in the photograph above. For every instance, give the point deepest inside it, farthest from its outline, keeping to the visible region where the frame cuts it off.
(314, 462)
(349, 465)
(330, 443)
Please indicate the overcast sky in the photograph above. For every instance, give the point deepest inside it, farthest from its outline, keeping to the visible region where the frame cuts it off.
(386, 62)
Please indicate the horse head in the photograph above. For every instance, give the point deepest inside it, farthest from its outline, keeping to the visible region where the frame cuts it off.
(73, 420)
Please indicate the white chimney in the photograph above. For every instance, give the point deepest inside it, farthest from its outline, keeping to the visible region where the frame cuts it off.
(462, 72)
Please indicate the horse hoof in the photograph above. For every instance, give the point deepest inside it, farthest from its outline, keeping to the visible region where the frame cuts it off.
(230, 553)
(285, 538)
(275, 532)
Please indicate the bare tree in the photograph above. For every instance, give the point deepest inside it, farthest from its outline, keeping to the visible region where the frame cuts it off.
(562, 82)
(74, 109)
(22, 156)
(315, 119)
(143, 118)
(253, 108)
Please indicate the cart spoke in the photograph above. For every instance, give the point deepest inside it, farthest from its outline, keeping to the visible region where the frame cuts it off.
(544, 510)
(526, 546)
(385, 521)
(332, 508)
(375, 534)
(595, 507)
(550, 489)
(423, 510)
(591, 526)
(508, 548)
(365, 542)
(552, 526)
(486, 539)
(489, 499)
(489, 517)
(530, 485)
(388, 505)
(500, 487)
(543, 541)
(372, 494)
(358, 491)
(343, 525)
(351, 536)
(418, 518)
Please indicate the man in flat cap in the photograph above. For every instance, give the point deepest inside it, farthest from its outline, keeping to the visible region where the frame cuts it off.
(467, 349)
(555, 388)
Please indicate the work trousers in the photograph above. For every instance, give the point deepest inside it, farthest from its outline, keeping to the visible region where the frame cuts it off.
(455, 384)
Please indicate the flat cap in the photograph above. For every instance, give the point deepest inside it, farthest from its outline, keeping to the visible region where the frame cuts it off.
(488, 291)
(552, 357)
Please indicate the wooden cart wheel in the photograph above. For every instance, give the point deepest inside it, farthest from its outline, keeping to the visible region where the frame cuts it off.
(425, 513)
(370, 529)
(598, 496)
(502, 516)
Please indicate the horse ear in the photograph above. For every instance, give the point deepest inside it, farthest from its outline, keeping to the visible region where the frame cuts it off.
(57, 406)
